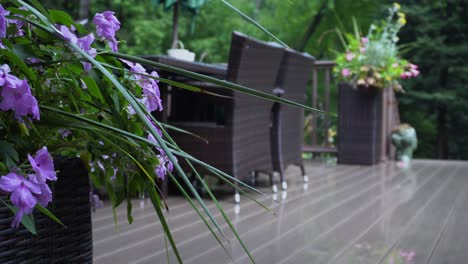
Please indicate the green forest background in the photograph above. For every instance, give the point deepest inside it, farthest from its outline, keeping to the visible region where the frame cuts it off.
(435, 38)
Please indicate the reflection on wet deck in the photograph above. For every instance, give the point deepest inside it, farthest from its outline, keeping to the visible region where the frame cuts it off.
(345, 214)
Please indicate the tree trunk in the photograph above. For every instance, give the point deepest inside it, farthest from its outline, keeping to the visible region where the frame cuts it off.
(84, 9)
(313, 26)
(175, 26)
(442, 140)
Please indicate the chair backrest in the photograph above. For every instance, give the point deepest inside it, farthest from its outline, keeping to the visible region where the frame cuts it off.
(295, 72)
(254, 64)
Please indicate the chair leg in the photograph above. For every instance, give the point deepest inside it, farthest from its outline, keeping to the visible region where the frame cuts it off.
(284, 184)
(237, 197)
(236, 194)
(253, 178)
(273, 181)
(304, 175)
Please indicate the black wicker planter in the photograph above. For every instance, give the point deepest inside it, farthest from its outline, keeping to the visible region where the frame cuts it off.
(53, 243)
(360, 122)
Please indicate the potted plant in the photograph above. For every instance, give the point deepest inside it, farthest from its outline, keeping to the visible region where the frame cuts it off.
(369, 65)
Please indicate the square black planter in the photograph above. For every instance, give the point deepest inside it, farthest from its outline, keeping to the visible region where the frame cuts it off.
(359, 125)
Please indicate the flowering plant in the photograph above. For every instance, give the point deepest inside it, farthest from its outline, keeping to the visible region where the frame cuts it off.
(372, 60)
(50, 96)
(67, 91)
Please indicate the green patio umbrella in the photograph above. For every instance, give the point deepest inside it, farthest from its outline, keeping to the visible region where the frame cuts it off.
(190, 5)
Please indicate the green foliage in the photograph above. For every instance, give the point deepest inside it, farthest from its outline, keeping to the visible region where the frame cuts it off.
(436, 104)
(372, 60)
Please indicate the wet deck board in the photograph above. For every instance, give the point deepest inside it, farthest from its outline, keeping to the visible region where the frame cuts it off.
(345, 214)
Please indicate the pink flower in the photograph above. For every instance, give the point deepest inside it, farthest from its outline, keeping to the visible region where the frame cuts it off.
(345, 72)
(414, 72)
(362, 49)
(349, 56)
(364, 40)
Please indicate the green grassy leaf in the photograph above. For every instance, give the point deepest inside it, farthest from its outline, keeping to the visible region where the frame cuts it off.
(8, 154)
(60, 17)
(18, 62)
(49, 214)
(27, 221)
(156, 201)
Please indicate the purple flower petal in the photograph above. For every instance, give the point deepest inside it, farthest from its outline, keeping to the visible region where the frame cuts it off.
(106, 26)
(68, 34)
(17, 96)
(11, 181)
(160, 171)
(45, 197)
(19, 216)
(43, 166)
(3, 21)
(4, 70)
(23, 198)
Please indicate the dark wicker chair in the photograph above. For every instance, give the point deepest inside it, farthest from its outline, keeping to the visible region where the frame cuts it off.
(287, 131)
(237, 128)
(54, 244)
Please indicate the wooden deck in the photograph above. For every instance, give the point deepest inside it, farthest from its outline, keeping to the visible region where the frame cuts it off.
(345, 214)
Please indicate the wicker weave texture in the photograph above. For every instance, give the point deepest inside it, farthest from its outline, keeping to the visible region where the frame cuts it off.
(54, 244)
(295, 72)
(359, 135)
(241, 143)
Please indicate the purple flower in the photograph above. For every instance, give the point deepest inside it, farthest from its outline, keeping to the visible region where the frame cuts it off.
(18, 23)
(43, 166)
(95, 201)
(85, 44)
(114, 176)
(19, 27)
(45, 197)
(64, 132)
(4, 70)
(151, 94)
(100, 165)
(1, 45)
(68, 34)
(160, 171)
(3, 21)
(17, 97)
(106, 26)
(22, 194)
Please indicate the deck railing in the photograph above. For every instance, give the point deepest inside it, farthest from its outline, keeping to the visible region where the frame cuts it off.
(319, 123)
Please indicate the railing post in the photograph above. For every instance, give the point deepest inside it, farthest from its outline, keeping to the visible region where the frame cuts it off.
(327, 104)
(314, 105)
